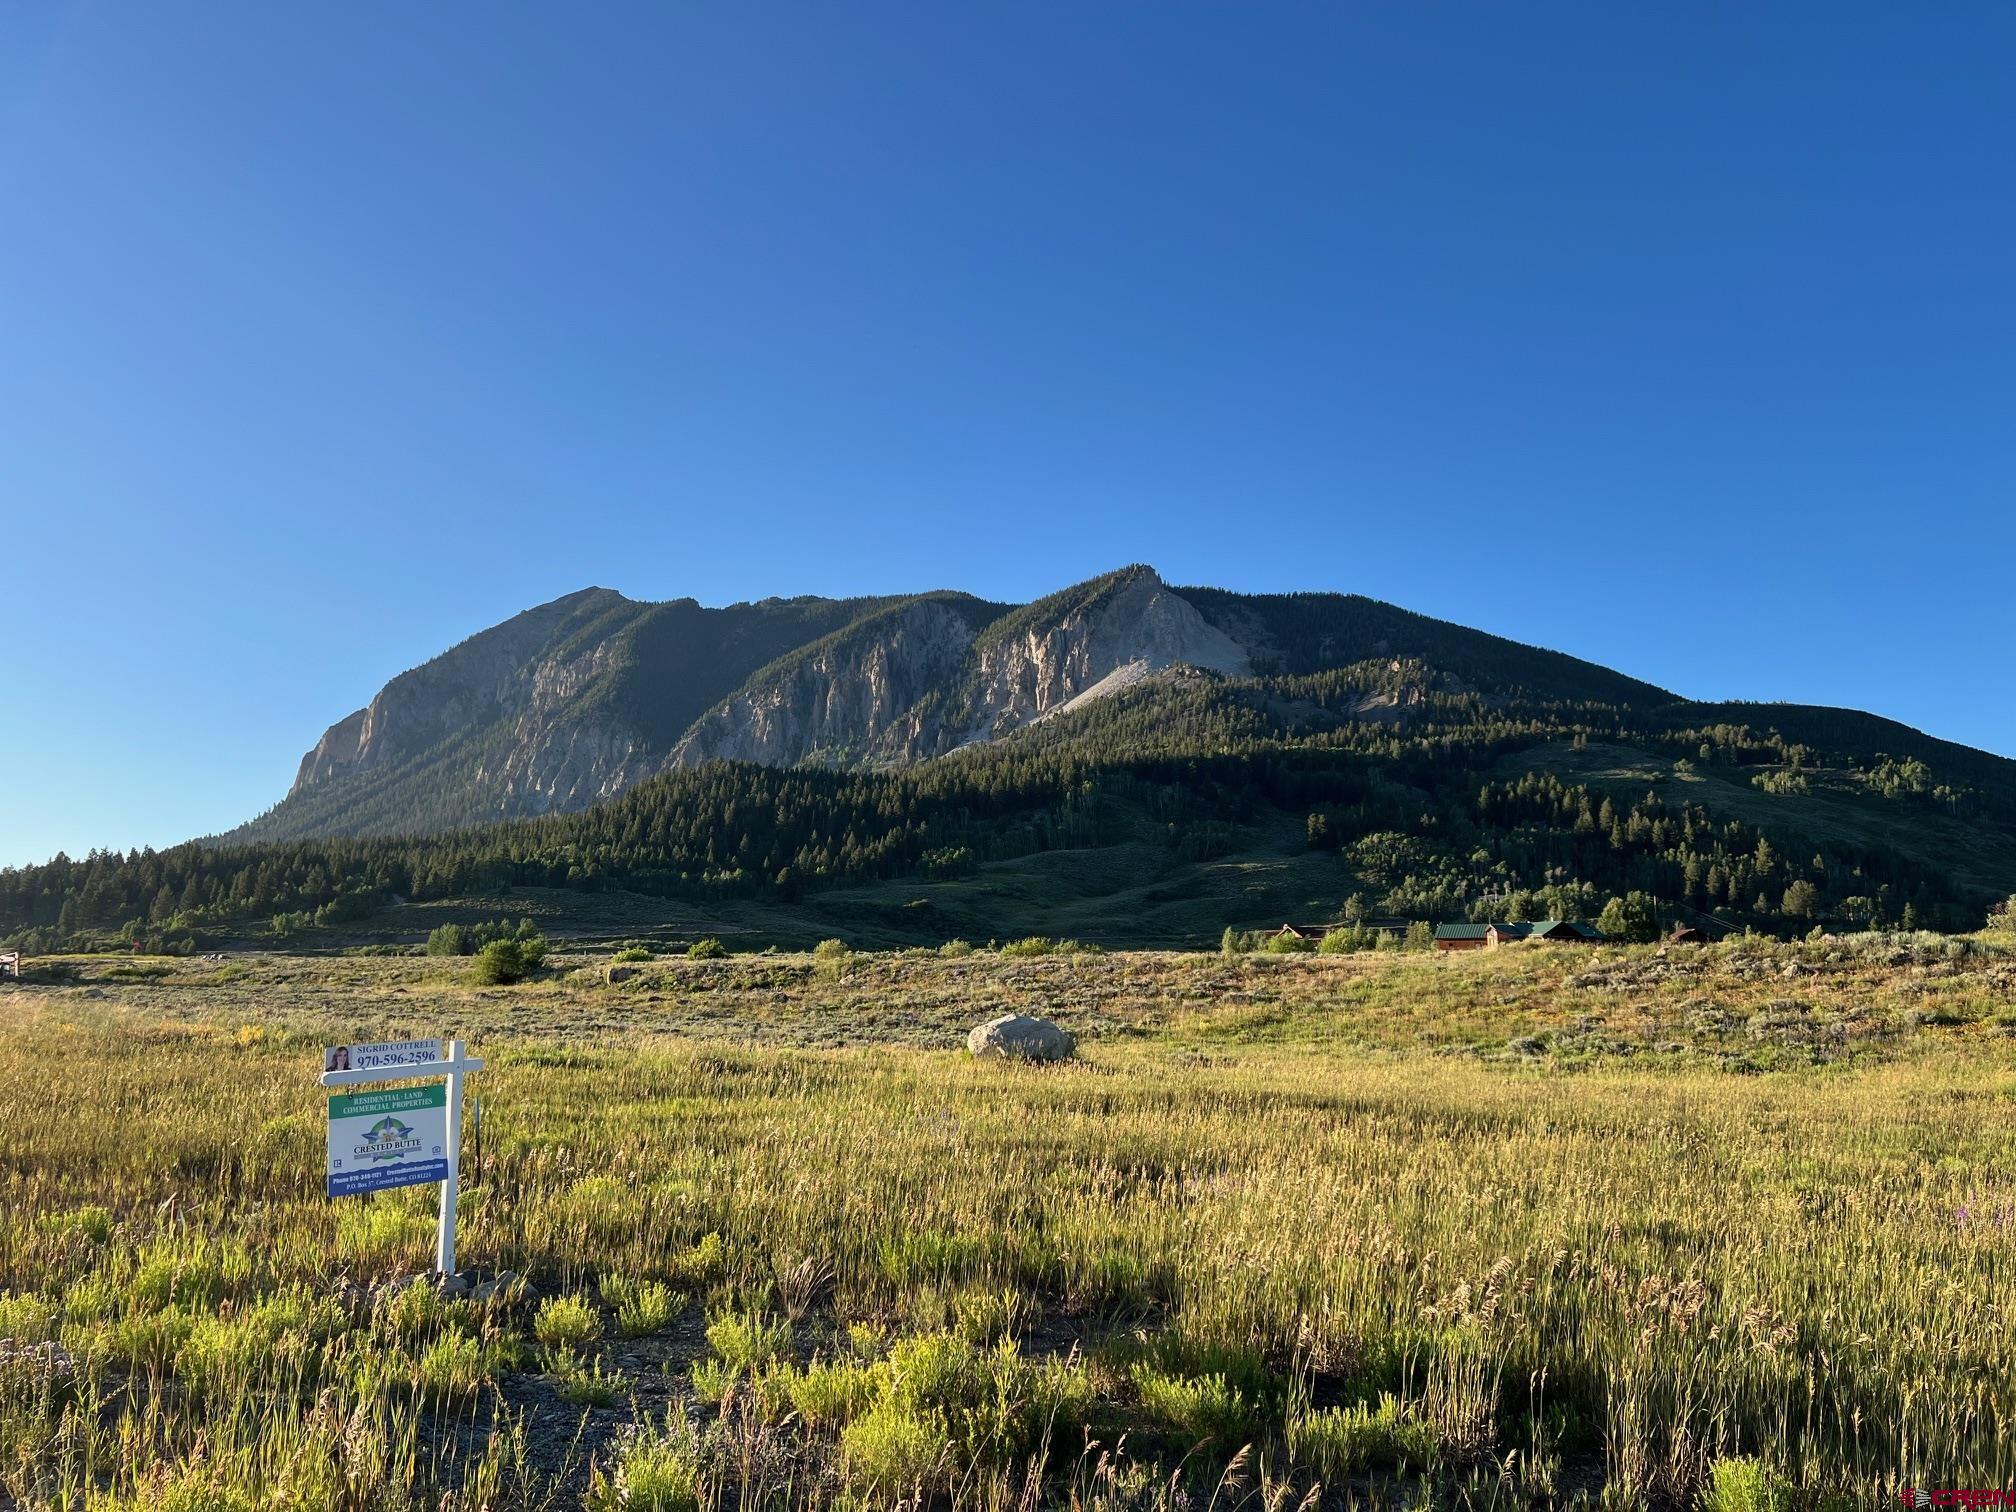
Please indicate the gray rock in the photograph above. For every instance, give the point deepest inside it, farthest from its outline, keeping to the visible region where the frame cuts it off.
(1017, 1036)
(49, 1362)
(624, 973)
(506, 1288)
(396, 1285)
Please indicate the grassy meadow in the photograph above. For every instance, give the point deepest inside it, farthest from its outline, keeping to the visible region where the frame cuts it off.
(1723, 1228)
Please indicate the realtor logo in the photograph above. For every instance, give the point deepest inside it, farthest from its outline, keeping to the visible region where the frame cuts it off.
(387, 1139)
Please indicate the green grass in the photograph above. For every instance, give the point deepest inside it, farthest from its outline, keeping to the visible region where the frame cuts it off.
(1731, 1228)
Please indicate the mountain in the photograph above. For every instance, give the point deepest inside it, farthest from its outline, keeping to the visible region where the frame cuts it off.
(573, 702)
(1124, 761)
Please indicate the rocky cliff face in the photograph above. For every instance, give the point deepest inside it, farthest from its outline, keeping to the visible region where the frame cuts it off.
(558, 757)
(919, 680)
(1033, 671)
(850, 700)
(488, 676)
(571, 703)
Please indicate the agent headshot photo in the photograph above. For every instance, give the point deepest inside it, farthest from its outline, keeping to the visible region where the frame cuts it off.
(337, 1058)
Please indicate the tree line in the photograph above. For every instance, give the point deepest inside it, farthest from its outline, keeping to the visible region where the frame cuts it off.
(1421, 822)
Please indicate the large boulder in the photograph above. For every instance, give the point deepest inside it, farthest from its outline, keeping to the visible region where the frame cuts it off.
(1017, 1036)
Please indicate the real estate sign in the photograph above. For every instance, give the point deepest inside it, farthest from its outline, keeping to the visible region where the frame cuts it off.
(387, 1139)
(381, 1056)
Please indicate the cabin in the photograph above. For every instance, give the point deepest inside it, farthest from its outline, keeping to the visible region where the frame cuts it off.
(10, 965)
(1491, 936)
(1560, 932)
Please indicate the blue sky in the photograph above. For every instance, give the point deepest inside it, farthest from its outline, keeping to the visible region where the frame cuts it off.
(1681, 337)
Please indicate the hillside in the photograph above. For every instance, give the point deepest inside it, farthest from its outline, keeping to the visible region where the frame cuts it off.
(581, 699)
(1122, 762)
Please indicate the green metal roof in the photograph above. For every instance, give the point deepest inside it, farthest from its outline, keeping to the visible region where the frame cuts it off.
(1515, 930)
(1576, 926)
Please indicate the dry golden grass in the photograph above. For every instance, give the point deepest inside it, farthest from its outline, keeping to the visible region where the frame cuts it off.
(1547, 1228)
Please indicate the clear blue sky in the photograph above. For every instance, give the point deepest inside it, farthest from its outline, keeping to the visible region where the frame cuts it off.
(1682, 337)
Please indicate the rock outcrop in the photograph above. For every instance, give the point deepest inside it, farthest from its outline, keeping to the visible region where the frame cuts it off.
(576, 701)
(1048, 664)
(489, 676)
(849, 700)
(1018, 1036)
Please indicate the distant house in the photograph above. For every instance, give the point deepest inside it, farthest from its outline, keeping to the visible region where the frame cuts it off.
(10, 965)
(1563, 932)
(1687, 934)
(1314, 933)
(1491, 936)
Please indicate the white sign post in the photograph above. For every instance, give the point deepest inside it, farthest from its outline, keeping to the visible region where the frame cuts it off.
(405, 1137)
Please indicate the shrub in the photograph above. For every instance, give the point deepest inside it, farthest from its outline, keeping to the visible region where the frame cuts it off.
(747, 1340)
(564, 1322)
(985, 1315)
(451, 940)
(703, 1264)
(502, 962)
(1061, 1396)
(452, 1366)
(149, 1340)
(828, 1395)
(894, 1447)
(589, 1385)
(91, 1224)
(706, 949)
(1743, 1485)
(649, 1309)
(194, 1272)
(2002, 918)
(26, 1319)
(468, 939)
(632, 953)
(711, 1381)
(1207, 1407)
(830, 958)
(1040, 945)
(1344, 1441)
(938, 1370)
(90, 1300)
(953, 950)
(656, 1470)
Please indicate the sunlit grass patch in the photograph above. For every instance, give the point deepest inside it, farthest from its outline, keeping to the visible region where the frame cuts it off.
(1304, 1204)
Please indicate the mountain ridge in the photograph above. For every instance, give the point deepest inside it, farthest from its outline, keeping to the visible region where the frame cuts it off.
(1122, 761)
(577, 701)
(573, 701)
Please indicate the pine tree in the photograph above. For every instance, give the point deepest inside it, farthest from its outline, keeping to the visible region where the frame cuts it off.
(1802, 900)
